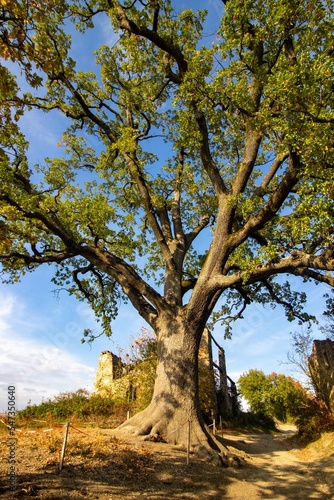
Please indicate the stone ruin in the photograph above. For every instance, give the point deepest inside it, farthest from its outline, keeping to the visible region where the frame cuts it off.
(109, 369)
(114, 380)
(111, 379)
(321, 364)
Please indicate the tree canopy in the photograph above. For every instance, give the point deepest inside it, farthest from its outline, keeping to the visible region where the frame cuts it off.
(274, 395)
(194, 171)
(283, 398)
(247, 125)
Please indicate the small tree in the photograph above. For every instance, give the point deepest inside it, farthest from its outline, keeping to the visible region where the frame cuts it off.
(300, 357)
(274, 395)
(255, 387)
(302, 342)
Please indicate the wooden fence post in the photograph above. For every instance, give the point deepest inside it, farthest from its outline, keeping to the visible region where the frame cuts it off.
(64, 446)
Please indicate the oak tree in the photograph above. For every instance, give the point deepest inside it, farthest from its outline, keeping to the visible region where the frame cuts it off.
(193, 173)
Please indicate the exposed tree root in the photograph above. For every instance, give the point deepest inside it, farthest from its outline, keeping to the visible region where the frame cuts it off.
(156, 424)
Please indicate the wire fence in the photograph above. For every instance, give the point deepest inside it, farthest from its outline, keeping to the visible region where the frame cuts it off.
(67, 426)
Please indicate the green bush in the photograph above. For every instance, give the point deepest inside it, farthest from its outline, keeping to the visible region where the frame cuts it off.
(254, 421)
(284, 398)
(313, 419)
(274, 395)
(98, 405)
(66, 405)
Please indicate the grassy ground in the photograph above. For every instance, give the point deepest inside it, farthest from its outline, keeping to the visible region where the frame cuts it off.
(101, 463)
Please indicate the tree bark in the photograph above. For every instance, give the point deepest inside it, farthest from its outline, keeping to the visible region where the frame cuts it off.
(175, 401)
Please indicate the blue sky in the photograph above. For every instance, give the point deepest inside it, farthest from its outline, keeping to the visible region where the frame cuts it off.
(40, 331)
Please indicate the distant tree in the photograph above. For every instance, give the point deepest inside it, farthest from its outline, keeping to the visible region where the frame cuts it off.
(288, 397)
(298, 356)
(255, 387)
(191, 176)
(302, 346)
(274, 395)
(328, 329)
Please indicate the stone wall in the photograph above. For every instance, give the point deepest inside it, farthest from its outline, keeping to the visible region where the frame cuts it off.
(109, 369)
(137, 383)
(321, 363)
(207, 386)
(124, 383)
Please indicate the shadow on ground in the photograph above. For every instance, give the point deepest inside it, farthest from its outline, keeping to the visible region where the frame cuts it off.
(156, 471)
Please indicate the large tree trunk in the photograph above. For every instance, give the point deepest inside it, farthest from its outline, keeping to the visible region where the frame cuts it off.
(175, 402)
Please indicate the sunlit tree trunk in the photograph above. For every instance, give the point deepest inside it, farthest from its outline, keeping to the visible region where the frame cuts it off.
(175, 403)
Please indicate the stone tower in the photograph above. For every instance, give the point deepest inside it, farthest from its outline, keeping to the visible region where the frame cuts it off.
(108, 370)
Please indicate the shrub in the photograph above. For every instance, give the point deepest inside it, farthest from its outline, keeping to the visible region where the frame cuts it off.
(313, 419)
(254, 421)
(98, 405)
(79, 404)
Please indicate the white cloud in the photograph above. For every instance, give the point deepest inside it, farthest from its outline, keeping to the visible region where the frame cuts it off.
(107, 35)
(44, 132)
(36, 366)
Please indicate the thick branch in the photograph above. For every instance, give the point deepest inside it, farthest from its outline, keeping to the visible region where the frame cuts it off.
(206, 157)
(289, 51)
(298, 263)
(39, 259)
(276, 164)
(310, 273)
(144, 298)
(274, 203)
(165, 45)
(176, 204)
(195, 232)
(253, 141)
(150, 210)
(53, 224)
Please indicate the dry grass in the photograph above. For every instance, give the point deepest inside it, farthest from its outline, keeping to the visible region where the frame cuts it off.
(87, 442)
(103, 464)
(322, 448)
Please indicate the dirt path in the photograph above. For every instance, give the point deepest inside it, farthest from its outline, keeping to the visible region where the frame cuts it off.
(277, 470)
(103, 465)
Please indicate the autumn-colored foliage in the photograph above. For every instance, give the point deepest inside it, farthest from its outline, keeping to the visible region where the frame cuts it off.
(313, 419)
(276, 395)
(282, 397)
